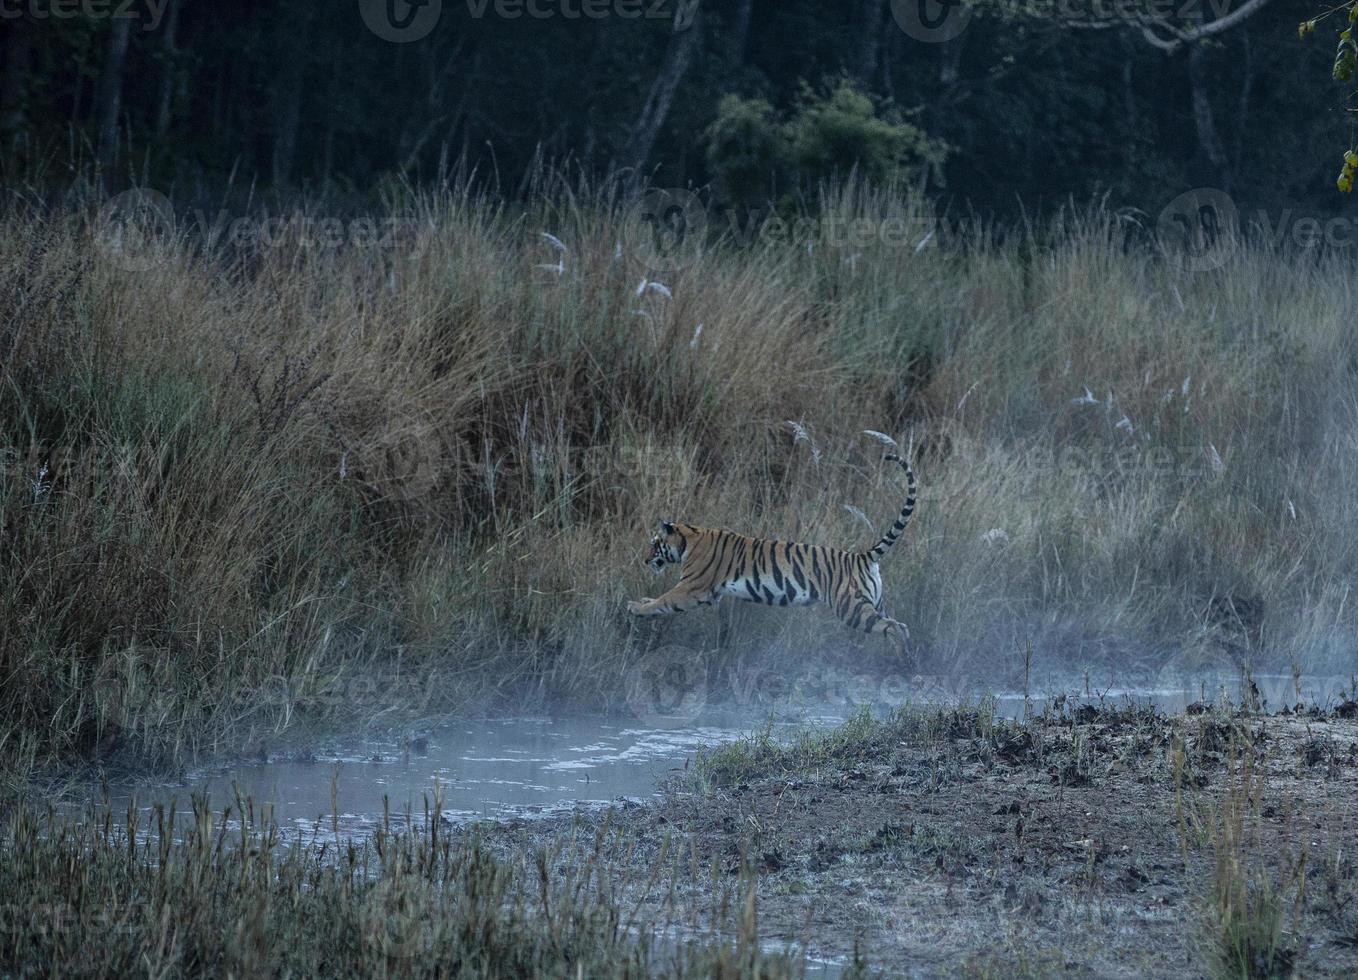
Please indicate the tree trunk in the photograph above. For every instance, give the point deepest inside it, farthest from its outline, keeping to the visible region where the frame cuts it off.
(1246, 89)
(435, 87)
(871, 42)
(108, 100)
(13, 77)
(169, 70)
(678, 56)
(335, 84)
(285, 136)
(1209, 143)
(742, 29)
(1129, 106)
(294, 52)
(950, 64)
(219, 106)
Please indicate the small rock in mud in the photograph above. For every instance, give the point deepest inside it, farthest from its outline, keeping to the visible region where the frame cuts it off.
(771, 861)
(1315, 751)
(1015, 746)
(1086, 714)
(1133, 878)
(1069, 773)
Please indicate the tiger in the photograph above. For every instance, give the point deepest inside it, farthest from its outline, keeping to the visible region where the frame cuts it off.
(717, 563)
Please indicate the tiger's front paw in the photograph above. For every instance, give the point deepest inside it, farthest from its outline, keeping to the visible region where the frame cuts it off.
(636, 607)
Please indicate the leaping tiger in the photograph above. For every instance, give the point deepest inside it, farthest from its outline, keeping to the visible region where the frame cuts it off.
(717, 563)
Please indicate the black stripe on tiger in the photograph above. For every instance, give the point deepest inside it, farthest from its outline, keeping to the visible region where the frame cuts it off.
(717, 563)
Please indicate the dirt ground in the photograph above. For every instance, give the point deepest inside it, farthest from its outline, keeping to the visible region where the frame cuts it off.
(1086, 843)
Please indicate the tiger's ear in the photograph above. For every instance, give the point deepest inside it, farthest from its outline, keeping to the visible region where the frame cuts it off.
(667, 527)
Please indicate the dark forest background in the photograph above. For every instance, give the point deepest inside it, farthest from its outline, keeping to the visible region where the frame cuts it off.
(1029, 106)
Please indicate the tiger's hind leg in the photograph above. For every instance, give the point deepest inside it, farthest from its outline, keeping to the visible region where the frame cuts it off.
(899, 633)
(860, 612)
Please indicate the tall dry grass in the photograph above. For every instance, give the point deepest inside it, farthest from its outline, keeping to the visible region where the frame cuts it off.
(231, 892)
(253, 486)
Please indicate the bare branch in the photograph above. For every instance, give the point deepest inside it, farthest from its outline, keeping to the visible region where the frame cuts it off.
(1160, 31)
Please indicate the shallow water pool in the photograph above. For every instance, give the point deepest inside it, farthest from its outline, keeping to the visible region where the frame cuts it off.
(530, 767)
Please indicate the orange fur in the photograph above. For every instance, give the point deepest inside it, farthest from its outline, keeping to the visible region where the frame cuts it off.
(716, 563)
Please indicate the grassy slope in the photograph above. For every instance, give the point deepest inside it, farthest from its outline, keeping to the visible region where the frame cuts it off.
(288, 482)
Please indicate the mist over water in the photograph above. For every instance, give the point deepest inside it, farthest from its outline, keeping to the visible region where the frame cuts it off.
(500, 769)
(526, 768)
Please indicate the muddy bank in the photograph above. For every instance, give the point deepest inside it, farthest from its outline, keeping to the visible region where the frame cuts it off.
(1095, 842)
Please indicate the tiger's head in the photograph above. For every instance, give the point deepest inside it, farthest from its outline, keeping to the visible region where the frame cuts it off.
(667, 547)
